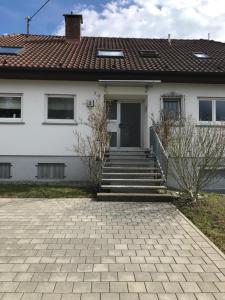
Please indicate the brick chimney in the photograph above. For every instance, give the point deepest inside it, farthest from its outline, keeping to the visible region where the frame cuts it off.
(73, 26)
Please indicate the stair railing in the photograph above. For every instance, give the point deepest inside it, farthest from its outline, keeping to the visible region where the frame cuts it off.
(160, 153)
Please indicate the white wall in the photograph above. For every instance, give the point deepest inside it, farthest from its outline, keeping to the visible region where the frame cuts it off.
(34, 138)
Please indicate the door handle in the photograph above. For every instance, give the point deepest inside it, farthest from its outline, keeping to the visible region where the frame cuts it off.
(120, 125)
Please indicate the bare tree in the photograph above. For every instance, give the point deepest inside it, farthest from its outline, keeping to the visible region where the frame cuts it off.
(195, 154)
(92, 146)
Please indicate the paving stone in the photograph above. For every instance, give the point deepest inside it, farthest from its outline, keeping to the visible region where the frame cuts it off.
(82, 287)
(45, 287)
(167, 297)
(51, 297)
(94, 296)
(11, 296)
(82, 249)
(154, 287)
(108, 276)
(190, 287)
(126, 276)
(26, 287)
(76, 276)
(148, 296)
(109, 296)
(71, 297)
(187, 296)
(172, 287)
(128, 296)
(63, 287)
(208, 287)
(204, 296)
(34, 296)
(118, 287)
(10, 287)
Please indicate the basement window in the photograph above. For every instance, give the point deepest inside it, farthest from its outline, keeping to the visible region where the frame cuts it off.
(10, 50)
(52, 171)
(201, 55)
(149, 53)
(110, 53)
(5, 170)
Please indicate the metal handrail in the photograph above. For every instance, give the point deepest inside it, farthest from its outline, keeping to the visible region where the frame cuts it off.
(160, 153)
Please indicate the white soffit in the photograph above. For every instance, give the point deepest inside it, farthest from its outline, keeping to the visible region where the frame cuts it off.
(128, 83)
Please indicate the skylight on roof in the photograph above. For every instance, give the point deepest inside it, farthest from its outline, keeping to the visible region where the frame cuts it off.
(149, 53)
(10, 50)
(110, 53)
(200, 55)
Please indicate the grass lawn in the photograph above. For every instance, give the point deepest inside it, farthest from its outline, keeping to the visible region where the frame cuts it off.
(42, 191)
(209, 217)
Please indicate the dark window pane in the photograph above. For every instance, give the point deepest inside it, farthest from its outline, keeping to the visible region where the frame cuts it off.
(113, 139)
(10, 107)
(60, 108)
(111, 107)
(205, 110)
(172, 108)
(220, 110)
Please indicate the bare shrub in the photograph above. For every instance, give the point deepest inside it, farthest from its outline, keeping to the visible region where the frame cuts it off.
(92, 146)
(195, 153)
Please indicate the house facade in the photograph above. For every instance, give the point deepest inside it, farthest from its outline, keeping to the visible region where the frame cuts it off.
(48, 84)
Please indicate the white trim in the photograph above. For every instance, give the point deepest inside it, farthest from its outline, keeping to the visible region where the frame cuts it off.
(14, 120)
(60, 121)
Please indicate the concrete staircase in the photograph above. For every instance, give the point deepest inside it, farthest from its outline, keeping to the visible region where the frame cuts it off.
(132, 175)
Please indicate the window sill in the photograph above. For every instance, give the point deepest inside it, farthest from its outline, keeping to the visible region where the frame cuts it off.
(211, 124)
(12, 122)
(60, 123)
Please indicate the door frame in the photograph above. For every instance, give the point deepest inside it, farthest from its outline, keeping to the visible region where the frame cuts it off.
(118, 121)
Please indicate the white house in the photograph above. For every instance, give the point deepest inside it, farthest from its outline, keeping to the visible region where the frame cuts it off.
(48, 82)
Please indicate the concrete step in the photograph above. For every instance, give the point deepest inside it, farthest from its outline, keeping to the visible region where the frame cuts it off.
(132, 187)
(124, 150)
(128, 175)
(134, 197)
(128, 181)
(131, 169)
(124, 154)
(128, 163)
(128, 157)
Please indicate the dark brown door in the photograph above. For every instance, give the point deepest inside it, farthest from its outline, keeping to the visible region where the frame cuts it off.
(130, 125)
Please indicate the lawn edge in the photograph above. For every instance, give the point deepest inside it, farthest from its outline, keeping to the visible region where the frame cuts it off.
(201, 233)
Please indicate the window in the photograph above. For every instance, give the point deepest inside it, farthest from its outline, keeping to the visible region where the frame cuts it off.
(111, 107)
(149, 53)
(205, 110)
(60, 108)
(50, 171)
(5, 170)
(172, 107)
(10, 50)
(220, 110)
(10, 107)
(110, 53)
(212, 110)
(200, 55)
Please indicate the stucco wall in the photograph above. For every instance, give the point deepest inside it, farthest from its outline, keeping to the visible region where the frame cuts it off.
(34, 139)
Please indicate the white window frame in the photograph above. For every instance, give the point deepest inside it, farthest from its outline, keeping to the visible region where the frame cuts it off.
(213, 99)
(13, 120)
(60, 121)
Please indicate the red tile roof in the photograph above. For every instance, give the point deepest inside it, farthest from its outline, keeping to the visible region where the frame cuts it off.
(54, 52)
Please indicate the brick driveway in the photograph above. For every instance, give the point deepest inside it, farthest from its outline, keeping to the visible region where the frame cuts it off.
(81, 249)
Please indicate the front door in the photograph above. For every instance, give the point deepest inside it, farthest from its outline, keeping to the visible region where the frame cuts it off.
(130, 124)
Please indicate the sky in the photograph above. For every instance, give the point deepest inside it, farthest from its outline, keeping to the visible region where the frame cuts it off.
(124, 18)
